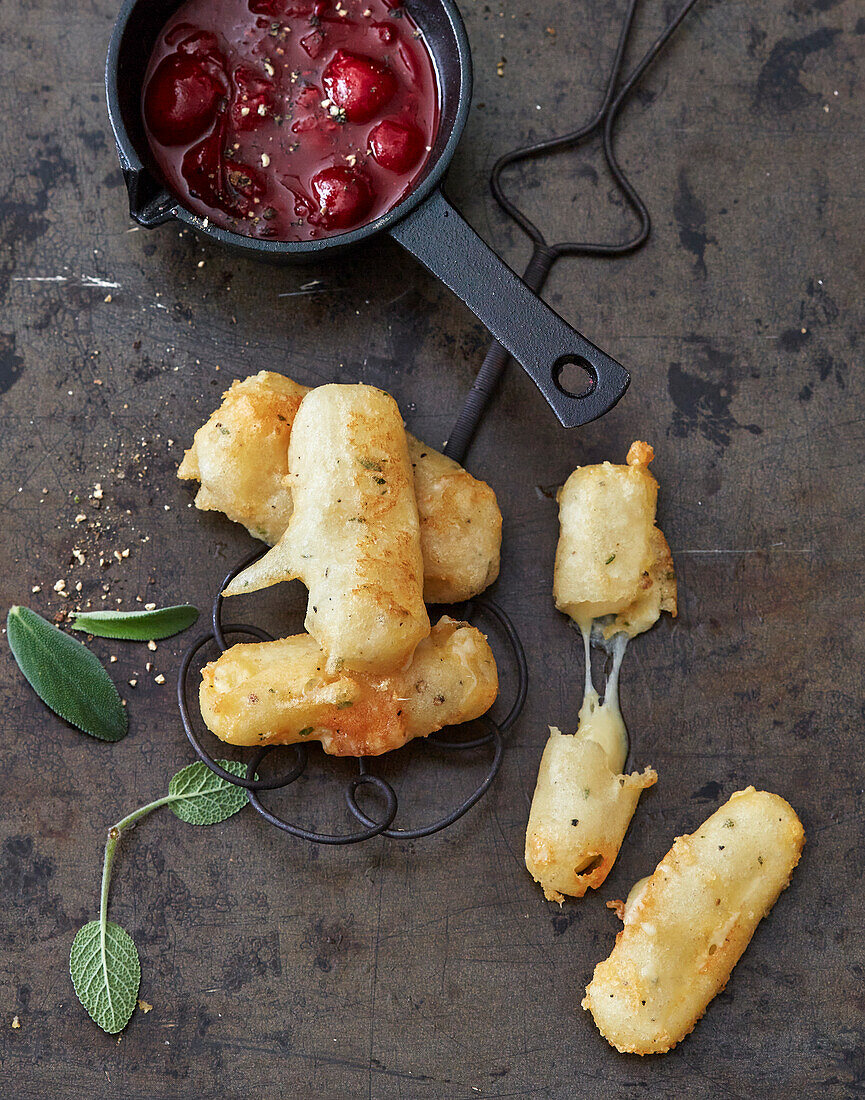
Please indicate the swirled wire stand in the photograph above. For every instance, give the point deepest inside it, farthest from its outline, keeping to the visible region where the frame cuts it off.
(365, 777)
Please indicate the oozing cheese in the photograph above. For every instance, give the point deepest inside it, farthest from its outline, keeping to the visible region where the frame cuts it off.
(614, 576)
(582, 804)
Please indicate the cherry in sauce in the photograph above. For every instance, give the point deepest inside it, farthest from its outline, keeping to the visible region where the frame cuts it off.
(343, 196)
(287, 119)
(396, 145)
(358, 85)
(182, 99)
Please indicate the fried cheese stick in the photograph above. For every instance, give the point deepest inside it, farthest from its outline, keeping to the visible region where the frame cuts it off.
(264, 693)
(687, 925)
(353, 537)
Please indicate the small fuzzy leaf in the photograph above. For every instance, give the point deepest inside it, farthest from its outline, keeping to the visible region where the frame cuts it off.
(66, 676)
(203, 798)
(106, 977)
(137, 626)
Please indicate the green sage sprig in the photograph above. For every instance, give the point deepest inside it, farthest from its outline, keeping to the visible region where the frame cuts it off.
(103, 962)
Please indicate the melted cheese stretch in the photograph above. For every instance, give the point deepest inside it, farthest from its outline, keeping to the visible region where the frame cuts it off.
(614, 576)
(582, 805)
(603, 722)
(687, 925)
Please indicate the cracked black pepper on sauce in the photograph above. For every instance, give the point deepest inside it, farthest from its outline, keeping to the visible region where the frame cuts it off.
(290, 121)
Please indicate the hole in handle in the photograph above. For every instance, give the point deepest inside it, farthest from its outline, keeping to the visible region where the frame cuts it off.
(574, 375)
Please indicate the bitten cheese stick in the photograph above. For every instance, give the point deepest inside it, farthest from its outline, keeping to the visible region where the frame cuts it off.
(611, 559)
(612, 565)
(240, 456)
(582, 804)
(580, 813)
(687, 925)
(354, 536)
(264, 693)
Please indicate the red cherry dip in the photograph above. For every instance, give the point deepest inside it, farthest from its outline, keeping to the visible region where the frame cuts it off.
(290, 120)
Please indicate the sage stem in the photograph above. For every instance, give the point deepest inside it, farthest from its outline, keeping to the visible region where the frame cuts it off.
(114, 834)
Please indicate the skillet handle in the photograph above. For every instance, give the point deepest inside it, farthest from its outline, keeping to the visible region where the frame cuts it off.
(536, 336)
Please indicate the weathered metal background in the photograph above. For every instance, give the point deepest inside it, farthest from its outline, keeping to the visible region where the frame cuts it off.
(435, 969)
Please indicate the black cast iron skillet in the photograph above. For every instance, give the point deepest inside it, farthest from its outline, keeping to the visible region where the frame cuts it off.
(424, 223)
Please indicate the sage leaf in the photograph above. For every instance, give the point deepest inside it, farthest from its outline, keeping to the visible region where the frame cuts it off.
(137, 626)
(106, 974)
(66, 676)
(202, 798)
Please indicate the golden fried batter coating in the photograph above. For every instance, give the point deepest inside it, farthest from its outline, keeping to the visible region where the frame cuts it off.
(687, 925)
(354, 535)
(460, 527)
(240, 455)
(281, 692)
(581, 810)
(611, 559)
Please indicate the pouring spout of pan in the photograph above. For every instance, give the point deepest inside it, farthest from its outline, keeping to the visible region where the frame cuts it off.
(546, 347)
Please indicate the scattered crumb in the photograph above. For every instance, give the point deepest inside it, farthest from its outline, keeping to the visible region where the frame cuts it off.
(144, 1006)
(160, 679)
(151, 645)
(16, 1023)
(133, 683)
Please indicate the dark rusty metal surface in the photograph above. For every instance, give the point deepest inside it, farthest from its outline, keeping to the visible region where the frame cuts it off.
(434, 969)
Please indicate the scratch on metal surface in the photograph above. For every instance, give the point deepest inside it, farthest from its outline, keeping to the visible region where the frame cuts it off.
(305, 293)
(92, 281)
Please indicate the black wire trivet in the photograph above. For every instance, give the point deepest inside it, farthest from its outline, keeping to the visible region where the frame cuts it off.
(372, 827)
(544, 256)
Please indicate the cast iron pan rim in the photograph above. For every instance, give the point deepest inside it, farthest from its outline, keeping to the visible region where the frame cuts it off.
(252, 244)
